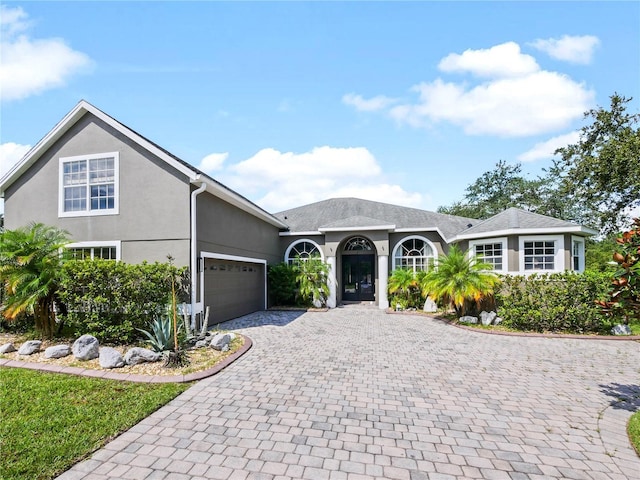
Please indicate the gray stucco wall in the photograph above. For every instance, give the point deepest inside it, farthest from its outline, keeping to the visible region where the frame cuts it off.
(223, 228)
(153, 218)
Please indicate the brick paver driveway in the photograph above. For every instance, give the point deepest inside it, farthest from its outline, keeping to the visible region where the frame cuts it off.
(358, 394)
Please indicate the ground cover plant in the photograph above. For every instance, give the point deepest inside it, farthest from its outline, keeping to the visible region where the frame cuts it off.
(50, 421)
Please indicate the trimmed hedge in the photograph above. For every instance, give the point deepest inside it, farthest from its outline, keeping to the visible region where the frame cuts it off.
(559, 302)
(110, 300)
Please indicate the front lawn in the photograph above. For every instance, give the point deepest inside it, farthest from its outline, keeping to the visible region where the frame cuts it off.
(634, 431)
(50, 421)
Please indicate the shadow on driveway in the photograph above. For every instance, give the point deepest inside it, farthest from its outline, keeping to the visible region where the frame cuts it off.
(624, 397)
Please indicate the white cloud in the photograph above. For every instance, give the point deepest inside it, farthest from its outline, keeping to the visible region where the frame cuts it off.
(546, 149)
(516, 98)
(30, 66)
(212, 162)
(371, 105)
(573, 49)
(503, 60)
(281, 180)
(10, 154)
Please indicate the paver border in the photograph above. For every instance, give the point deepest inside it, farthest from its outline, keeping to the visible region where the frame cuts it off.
(111, 375)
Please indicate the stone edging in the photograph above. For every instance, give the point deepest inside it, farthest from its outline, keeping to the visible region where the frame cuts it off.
(522, 334)
(129, 377)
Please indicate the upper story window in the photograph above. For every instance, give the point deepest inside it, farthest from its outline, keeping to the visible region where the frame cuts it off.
(493, 252)
(302, 250)
(414, 253)
(542, 254)
(89, 185)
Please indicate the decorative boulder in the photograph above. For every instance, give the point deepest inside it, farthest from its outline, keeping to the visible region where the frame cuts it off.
(86, 348)
(30, 347)
(430, 306)
(497, 320)
(57, 351)
(137, 355)
(621, 330)
(201, 344)
(232, 336)
(110, 358)
(219, 341)
(468, 319)
(487, 317)
(7, 348)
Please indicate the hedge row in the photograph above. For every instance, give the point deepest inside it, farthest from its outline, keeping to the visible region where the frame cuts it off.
(559, 302)
(110, 300)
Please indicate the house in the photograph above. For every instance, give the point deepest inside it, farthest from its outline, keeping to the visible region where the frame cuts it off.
(123, 197)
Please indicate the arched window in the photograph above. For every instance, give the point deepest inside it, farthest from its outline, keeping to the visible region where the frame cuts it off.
(414, 253)
(302, 250)
(358, 244)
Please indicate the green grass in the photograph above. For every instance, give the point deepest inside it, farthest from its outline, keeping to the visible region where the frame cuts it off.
(633, 428)
(50, 421)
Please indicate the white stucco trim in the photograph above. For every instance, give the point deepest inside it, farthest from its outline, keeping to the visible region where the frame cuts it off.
(233, 258)
(527, 231)
(411, 237)
(389, 228)
(99, 243)
(505, 250)
(300, 240)
(88, 212)
(306, 234)
(559, 253)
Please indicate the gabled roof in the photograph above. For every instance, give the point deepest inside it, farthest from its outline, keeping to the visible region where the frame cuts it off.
(337, 213)
(194, 175)
(517, 221)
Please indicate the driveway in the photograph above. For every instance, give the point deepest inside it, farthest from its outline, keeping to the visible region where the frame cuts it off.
(355, 393)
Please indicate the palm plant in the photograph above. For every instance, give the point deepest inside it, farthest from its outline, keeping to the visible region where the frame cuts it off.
(460, 280)
(403, 285)
(30, 267)
(312, 276)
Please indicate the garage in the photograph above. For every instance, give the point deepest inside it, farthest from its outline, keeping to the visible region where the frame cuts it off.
(233, 288)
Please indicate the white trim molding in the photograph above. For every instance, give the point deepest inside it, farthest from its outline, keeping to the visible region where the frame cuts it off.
(487, 241)
(411, 237)
(581, 253)
(300, 240)
(528, 231)
(98, 244)
(558, 254)
(389, 228)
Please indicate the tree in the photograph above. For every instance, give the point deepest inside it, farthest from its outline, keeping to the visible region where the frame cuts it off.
(496, 190)
(30, 268)
(602, 171)
(460, 280)
(312, 275)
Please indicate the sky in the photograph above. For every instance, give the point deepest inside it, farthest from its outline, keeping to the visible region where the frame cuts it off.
(289, 103)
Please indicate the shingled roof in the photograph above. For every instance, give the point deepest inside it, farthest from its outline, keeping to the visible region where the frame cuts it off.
(342, 213)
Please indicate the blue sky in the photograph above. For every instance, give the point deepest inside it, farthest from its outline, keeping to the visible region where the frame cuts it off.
(294, 102)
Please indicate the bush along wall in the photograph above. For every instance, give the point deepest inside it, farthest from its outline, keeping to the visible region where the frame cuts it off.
(559, 302)
(111, 300)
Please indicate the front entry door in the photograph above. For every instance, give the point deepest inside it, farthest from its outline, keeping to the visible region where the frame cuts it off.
(358, 278)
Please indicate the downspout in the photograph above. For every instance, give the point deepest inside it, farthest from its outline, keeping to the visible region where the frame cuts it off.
(194, 250)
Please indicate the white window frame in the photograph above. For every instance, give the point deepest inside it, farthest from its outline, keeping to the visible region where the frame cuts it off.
(487, 241)
(293, 244)
(413, 237)
(88, 212)
(579, 241)
(98, 244)
(558, 257)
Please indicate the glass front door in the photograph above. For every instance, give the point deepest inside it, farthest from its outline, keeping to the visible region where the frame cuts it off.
(358, 277)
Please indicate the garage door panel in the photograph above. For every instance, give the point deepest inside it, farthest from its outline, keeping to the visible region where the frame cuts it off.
(232, 289)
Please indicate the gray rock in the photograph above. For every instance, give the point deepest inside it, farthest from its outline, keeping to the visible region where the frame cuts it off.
(57, 351)
(201, 344)
(487, 317)
(497, 320)
(232, 336)
(86, 348)
(430, 306)
(137, 355)
(621, 330)
(225, 348)
(30, 347)
(468, 319)
(110, 358)
(220, 340)
(7, 348)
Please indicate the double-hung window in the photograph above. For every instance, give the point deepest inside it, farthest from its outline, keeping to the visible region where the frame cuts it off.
(89, 185)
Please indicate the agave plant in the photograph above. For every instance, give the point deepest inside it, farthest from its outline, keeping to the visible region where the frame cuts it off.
(161, 340)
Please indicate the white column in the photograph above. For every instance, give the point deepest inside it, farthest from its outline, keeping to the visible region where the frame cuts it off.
(383, 276)
(332, 301)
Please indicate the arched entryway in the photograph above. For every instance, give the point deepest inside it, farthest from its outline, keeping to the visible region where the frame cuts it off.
(358, 270)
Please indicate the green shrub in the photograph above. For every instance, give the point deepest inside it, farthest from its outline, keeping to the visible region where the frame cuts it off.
(281, 280)
(312, 279)
(111, 300)
(559, 302)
